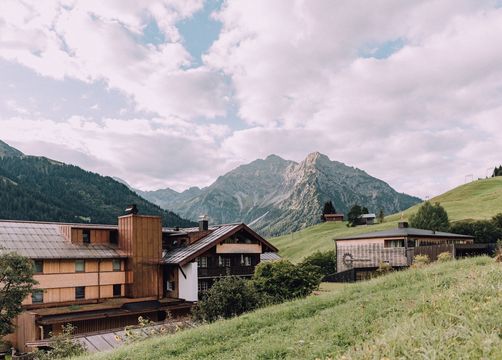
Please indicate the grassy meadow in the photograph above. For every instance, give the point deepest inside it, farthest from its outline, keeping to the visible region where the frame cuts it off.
(476, 200)
(444, 311)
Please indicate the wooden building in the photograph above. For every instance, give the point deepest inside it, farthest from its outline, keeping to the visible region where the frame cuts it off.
(333, 217)
(361, 255)
(102, 277)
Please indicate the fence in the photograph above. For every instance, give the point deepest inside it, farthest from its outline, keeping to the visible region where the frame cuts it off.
(432, 251)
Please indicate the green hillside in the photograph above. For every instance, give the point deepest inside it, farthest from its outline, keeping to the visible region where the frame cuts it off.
(445, 311)
(476, 200)
(36, 188)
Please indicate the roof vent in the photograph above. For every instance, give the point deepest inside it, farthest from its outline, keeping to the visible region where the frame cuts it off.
(131, 209)
(403, 224)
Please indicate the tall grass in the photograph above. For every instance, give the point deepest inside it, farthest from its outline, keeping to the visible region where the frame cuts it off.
(451, 310)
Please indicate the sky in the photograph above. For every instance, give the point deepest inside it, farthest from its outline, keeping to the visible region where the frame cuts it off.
(174, 93)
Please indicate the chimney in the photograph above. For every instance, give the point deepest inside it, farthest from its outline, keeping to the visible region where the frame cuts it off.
(203, 223)
(403, 224)
(131, 209)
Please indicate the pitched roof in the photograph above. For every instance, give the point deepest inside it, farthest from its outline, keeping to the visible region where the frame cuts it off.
(270, 256)
(38, 240)
(367, 216)
(186, 254)
(405, 232)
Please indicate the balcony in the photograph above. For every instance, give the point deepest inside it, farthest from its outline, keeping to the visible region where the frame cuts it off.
(225, 271)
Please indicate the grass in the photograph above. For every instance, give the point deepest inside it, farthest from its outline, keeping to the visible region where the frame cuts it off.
(473, 201)
(444, 311)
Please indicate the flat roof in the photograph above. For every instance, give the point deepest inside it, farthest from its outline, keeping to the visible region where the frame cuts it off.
(405, 232)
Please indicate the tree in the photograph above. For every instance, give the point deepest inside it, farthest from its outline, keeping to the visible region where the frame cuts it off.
(230, 296)
(431, 217)
(328, 209)
(353, 217)
(325, 261)
(497, 220)
(280, 281)
(497, 171)
(381, 216)
(483, 231)
(16, 283)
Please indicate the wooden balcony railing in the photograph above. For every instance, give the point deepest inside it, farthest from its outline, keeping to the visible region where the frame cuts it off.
(225, 271)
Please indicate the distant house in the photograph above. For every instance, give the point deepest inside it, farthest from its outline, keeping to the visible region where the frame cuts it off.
(360, 255)
(367, 219)
(333, 217)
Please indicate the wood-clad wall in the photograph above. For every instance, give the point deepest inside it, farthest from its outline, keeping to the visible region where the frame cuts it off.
(141, 238)
(75, 235)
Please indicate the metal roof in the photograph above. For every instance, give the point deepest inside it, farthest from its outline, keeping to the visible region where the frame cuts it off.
(38, 240)
(177, 256)
(405, 232)
(270, 256)
(367, 216)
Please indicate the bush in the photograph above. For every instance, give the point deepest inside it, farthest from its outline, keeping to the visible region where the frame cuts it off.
(62, 346)
(325, 261)
(445, 256)
(384, 268)
(228, 297)
(421, 260)
(483, 231)
(280, 281)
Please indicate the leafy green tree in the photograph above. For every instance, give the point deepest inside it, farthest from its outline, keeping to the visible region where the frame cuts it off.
(280, 281)
(431, 217)
(328, 208)
(353, 217)
(230, 296)
(325, 261)
(497, 220)
(16, 283)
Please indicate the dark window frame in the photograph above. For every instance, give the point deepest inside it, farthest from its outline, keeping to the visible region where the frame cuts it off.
(36, 264)
(86, 236)
(117, 293)
(79, 292)
(114, 237)
(37, 291)
(115, 262)
(79, 261)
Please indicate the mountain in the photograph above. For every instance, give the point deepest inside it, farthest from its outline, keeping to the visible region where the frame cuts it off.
(8, 151)
(277, 196)
(37, 188)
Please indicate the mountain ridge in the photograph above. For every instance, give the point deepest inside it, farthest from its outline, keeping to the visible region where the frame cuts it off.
(278, 196)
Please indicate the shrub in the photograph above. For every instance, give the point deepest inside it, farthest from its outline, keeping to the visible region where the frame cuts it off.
(384, 268)
(325, 261)
(483, 231)
(445, 256)
(228, 297)
(62, 346)
(421, 260)
(279, 281)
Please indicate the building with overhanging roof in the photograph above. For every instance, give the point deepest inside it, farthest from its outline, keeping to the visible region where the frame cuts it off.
(103, 277)
(362, 254)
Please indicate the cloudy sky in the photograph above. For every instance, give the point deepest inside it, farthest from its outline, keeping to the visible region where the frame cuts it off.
(173, 93)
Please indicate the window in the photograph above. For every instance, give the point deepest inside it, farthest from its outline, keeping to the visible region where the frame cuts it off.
(245, 260)
(202, 261)
(114, 237)
(86, 236)
(80, 292)
(223, 261)
(394, 243)
(116, 265)
(117, 290)
(39, 266)
(79, 266)
(170, 286)
(37, 296)
(203, 286)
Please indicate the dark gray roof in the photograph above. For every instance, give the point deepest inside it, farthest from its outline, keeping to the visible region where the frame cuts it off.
(179, 255)
(38, 240)
(405, 232)
(270, 256)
